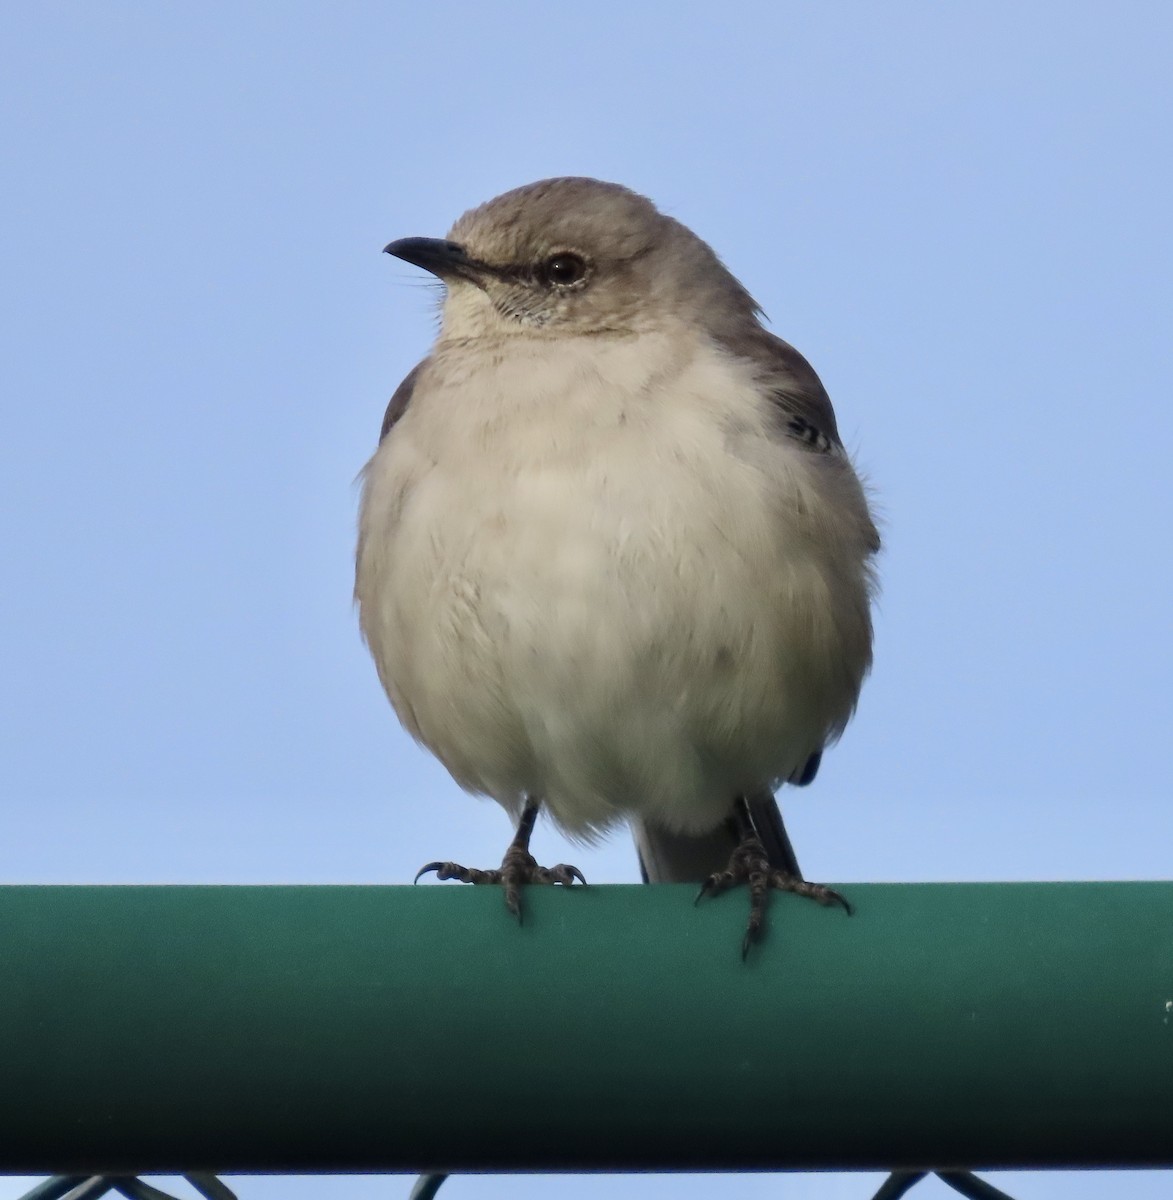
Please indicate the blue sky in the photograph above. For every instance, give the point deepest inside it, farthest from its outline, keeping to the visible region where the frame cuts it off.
(959, 213)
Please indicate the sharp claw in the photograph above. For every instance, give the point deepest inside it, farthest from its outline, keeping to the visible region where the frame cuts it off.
(713, 886)
(830, 898)
(750, 866)
(516, 868)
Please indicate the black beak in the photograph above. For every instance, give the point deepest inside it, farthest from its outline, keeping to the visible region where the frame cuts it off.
(447, 260)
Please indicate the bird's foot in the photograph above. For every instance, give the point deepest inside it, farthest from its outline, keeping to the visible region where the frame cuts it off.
(518, 867)
(749, 864)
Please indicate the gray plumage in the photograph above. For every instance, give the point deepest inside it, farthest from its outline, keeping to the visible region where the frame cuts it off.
(612, 552)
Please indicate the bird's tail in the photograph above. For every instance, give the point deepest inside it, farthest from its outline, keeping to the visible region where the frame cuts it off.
(666, 857)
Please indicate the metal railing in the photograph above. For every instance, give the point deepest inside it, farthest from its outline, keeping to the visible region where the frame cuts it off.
(330, 1029)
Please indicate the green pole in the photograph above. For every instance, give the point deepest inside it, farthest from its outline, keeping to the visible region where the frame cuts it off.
(288, 1029)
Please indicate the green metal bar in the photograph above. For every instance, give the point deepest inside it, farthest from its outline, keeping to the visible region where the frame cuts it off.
(182, 1029)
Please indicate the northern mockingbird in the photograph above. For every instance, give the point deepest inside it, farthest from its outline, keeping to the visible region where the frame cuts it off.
(613, 559)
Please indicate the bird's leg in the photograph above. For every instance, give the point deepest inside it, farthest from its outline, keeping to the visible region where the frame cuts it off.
(750, 864)
(517, 867)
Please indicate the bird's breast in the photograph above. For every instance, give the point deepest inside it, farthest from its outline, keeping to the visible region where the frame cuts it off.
(572, 587)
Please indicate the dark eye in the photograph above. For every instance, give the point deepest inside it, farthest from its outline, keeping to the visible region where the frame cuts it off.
(563, 269)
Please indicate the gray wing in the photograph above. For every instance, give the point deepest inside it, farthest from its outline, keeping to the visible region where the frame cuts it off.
(801, 402)
(400, 400)
(803, 412)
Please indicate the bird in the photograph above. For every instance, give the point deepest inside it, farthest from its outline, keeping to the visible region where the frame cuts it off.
(614, 562)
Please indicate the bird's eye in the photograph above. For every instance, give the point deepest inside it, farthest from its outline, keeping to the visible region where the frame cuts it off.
(563, 269)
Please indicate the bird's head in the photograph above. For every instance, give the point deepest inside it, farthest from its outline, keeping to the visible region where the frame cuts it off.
(573, 256)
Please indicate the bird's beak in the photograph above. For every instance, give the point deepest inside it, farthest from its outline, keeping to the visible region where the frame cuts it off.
(446, 260)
